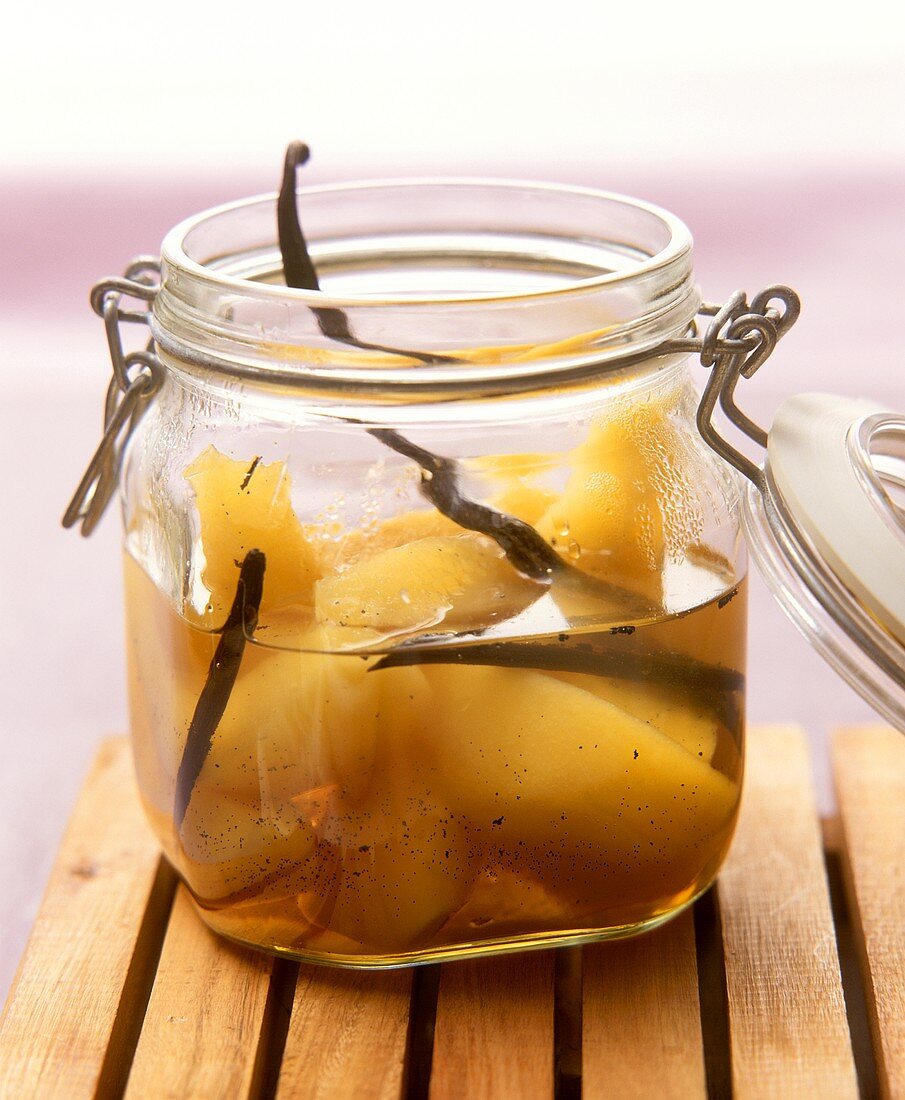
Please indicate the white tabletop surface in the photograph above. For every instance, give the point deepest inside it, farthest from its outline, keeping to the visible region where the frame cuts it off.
(838, 238)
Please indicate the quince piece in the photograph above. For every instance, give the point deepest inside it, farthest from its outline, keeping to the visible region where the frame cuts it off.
(228, 845)
(514, 476)
(409, 873)
(530, 758)
(297, 720)
(685, 719)
(514, 467)
(314, 719)
(403, 862)
(462, 580)
(506, 900)
(605, 887)
(245, 505)
(527, 502)
(627, 503)
(339, 548)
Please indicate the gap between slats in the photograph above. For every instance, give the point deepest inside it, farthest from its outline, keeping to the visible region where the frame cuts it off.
(419, 1050)
(712, 996)
(852, 981)
(568, 1023)
(133, 1004)
(274, 1030)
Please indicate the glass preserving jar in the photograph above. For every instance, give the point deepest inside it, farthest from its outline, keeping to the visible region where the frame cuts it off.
(435, 592)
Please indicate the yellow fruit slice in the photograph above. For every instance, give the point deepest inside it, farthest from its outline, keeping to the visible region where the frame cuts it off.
(295, 717)
(530, 758)
(401, 861)
(297, 746)
(287, 627)
(298, 720)
(507, 902)
(409, 873)
(514, 477)
(514, 467)
(685, 719)
(462, 580)
(336, 548)
(527, 502)
(245, 505)
(229, 845)
(627, 502)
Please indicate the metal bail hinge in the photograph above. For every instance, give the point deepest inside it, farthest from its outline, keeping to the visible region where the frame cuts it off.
(738, 341)
(137, 376)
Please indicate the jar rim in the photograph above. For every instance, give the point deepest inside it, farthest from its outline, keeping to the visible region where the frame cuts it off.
(581, 281)
(680, 241)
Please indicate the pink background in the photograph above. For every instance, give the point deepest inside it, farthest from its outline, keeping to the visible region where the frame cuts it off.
(780, 141)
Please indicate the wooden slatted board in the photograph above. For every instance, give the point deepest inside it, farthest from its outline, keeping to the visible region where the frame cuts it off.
(787, 980)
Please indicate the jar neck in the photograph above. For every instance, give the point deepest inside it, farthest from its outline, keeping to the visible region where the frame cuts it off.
(432, 290)
(656, 378)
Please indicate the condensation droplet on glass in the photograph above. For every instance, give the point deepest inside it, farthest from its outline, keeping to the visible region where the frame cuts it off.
(573, 550)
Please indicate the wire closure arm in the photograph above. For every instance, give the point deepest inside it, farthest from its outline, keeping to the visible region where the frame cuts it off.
(137, 376)
(736, 344)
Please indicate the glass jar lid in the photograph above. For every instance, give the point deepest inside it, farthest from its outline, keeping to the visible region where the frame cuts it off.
(826, 525)
(824, 512)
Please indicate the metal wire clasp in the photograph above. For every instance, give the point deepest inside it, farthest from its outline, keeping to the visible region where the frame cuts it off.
(736, 344)
(137, 376)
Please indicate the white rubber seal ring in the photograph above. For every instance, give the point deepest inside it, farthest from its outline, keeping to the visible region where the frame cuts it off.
(819, 460)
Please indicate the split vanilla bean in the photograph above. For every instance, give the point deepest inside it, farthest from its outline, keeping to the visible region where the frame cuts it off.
(299, 270)
(524, 547)
(527, 550)
(719, 687)
(221, 677)
(662, 668)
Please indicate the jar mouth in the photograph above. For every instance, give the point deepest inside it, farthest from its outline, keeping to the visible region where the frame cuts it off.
(191, 239)
(495, 277)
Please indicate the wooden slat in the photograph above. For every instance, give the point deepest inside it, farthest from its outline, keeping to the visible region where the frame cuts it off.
(204, 1021)
(788, 1028)
(642, 1022)
(869, 768)
(70, 1020)
(347, 1035)
(494, 1030)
